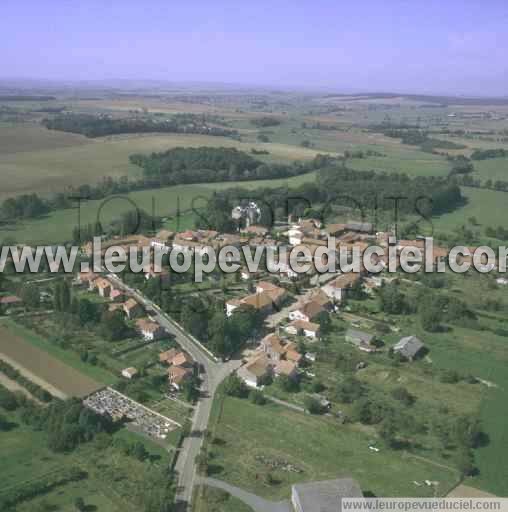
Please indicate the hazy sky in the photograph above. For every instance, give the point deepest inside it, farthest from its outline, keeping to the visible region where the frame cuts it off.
(445, 46)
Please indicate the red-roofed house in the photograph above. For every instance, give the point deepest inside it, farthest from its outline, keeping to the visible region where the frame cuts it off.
(308, 311)
(149, 330)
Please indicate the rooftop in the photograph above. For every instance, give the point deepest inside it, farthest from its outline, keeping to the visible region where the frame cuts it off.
(307, 326)
(258, 366)
(325, 496)
(360, 335)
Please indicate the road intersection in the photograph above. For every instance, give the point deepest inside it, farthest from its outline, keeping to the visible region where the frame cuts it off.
(213, 372)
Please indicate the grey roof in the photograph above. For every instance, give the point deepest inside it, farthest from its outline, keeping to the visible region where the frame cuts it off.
(359, 226)
(408, 346)
(325, 496)
(360, 336)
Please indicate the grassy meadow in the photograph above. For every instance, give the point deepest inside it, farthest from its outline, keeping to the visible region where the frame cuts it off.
(209, 499)
(112, 479)
(320, 448)
(34, 159)
(25, 458)
(493, 169)
(487, 206)
(482, 353)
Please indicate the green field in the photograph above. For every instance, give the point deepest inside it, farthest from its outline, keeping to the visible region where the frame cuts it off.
(488, 206)
(114, 479)
(403, 160)
(33, 159)
(493, 169)
(26, 458)
(208, 499)
(481, 353)
(320, 448)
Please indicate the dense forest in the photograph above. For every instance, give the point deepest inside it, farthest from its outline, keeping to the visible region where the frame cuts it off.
(100, 126)
(208, 164)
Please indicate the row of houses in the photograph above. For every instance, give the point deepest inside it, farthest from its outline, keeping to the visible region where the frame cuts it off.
(313, 230)
(276, 355)
(273, 358)
(180, 364)
(132, 309)
(180, 367)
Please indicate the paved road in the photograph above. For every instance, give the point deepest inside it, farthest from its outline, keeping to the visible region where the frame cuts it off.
(214, 372)
(255, 502)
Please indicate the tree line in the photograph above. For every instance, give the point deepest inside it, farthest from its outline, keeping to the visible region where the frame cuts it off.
(182, 166)
(485, 154)
(415, 137)
(100, 125)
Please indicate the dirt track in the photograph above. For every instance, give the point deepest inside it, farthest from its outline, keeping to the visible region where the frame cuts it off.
(13, 386)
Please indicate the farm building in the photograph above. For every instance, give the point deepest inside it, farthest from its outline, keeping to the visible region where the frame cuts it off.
(362, 340)
(129, 373)
(10, 300)
(408, 347)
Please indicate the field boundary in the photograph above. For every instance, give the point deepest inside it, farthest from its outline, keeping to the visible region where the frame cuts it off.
(58, 393)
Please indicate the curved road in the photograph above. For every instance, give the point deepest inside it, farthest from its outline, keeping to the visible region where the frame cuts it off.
(214, 372)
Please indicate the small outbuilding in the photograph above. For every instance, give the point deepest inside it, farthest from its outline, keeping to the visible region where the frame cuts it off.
(409, 347)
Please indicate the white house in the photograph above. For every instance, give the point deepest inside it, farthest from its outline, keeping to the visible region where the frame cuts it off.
(162, 239)
(295, 235)
(337, 288)
(306, 312)
(254, 371)
(301, 327)
(129, 373)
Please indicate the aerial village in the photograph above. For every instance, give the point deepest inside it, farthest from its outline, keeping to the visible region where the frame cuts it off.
(287, 316)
